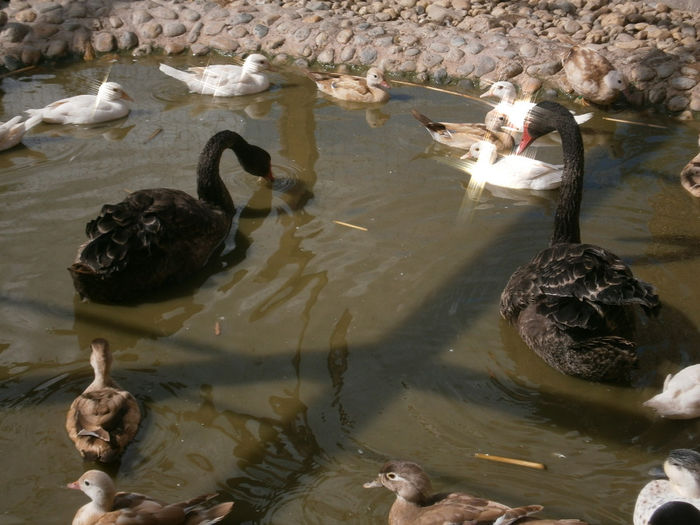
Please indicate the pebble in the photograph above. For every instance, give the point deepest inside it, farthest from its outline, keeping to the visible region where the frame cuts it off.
(455, 41)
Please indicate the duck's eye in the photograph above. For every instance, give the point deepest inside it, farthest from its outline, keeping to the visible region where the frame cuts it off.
(391, 476)
(87, 483)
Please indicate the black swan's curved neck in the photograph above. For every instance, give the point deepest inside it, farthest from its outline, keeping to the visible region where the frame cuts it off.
(566, 217)
(210, 187)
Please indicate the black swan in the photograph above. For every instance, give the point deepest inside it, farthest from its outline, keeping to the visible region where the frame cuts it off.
(162, 235)
(571, 302)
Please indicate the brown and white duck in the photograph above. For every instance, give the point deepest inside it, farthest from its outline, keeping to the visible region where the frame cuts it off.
(690, 175)
(464, 135)
(104, 419)
(593, 76)
(372, 88)
(109, 507)
(162, 235)
(416, 504)
(571, 303)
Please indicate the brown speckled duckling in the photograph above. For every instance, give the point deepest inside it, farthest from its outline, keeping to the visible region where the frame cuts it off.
(104, 418)
(416, 504)
(109, 507)
(372, 88)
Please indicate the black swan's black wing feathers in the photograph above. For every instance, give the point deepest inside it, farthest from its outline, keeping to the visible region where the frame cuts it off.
(576, 285)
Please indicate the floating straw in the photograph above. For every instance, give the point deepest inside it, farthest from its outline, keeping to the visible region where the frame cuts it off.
(153, 135)
(361, 228)
(511, 461)
(635, 123)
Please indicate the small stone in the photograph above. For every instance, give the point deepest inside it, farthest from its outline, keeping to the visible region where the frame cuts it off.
(190, 15)
(628, 44)
(344, 36)
(141, 16)
(260, 30)
(430, 60)
(528, 50)
(683, 83)
(302, 33)
(642, 74)
(57, 48)
(213, 28)
(171, 29)
(437, 13)
(677, 103)
(238, 32)
(326, 56)
(199, 50)
(103, 42)
(439, 47)
(347, 53)
(657, 95)
(409, 66)
(76, 10)
(224, 43)
(665, 69)
(142, 50)
(612, 19)
(411, 52)
(485, 64)
(115, 22)
(217, 13)
(44, 31)
(440, 76)
(151, 29)
(30, 55)
(164, 13)
(475, 48)
(530, 85)
(127, 40)
(368, 55)
(277, 43)
(173, 48)
(318, 6)
(45, 7)
(465, 70)
(194, 32)
(241, 18)
(12, 62)
(25, 16)
(14, 32)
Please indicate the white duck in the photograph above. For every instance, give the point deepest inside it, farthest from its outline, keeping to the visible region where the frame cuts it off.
(109, 507)
(517, 110)
(225, 80)
(512, 171)
(107, 105)
(12, 131)
(680, 398)
(683, 484)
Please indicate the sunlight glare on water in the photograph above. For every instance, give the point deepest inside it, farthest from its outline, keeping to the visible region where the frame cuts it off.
(351, 317)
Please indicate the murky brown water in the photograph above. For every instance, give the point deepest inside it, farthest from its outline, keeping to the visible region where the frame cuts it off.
(340, 348)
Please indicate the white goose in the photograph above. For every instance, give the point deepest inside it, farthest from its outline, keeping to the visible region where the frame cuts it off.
(517, 110)
(682, 467)
(107, 105)
(680, 398)
(512, 171)
(225, 80)
(12, 131)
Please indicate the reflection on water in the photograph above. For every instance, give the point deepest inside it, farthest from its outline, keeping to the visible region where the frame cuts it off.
(306, 353)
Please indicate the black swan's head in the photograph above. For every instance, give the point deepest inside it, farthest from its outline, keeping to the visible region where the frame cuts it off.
(256, 161)
(543, 118)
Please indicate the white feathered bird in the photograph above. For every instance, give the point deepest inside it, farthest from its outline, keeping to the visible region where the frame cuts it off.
(680, 398)
(511, 171)
(517, 110)
(225, 80)
(12, 131)
(108, 104)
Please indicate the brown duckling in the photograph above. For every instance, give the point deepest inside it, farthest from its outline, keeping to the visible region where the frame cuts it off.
(104, 418)
(464, 135)
(592, 75)
(417, 505)
(372, 88)
(109, 507)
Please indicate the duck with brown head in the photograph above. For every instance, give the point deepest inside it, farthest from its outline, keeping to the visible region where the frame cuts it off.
(571, 303)
(416, 504)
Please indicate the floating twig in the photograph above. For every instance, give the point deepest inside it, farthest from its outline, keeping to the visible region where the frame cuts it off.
(153, 135)
(511, 461)
(21, 70)
(361, 228)
(441, 90)
(635, 123)
(217, 328)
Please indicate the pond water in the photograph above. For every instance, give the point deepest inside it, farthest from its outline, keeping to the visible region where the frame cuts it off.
(310, 352)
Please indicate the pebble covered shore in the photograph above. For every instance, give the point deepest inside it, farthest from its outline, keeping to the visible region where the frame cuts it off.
(655, 46)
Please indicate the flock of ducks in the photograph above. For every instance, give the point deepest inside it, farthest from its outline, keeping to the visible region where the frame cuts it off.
(570, 303)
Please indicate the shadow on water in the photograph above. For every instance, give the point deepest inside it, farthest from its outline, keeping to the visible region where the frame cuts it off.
(274, 456)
